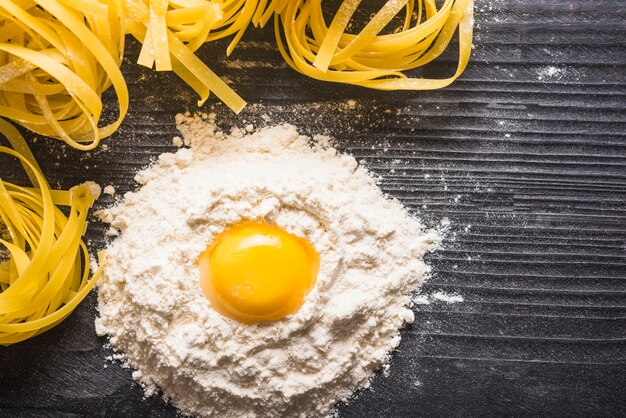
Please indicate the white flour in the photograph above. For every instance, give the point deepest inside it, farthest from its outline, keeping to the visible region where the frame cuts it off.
(153, 309)
(442, 296)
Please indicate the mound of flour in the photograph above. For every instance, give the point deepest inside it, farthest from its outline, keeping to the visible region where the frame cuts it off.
(152, 307)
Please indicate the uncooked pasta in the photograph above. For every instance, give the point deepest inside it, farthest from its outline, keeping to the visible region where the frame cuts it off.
(372, 58)
(46, 272)
(57, 57)
(171, 31)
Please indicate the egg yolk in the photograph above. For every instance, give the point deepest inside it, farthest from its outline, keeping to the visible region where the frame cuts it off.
(257, 272)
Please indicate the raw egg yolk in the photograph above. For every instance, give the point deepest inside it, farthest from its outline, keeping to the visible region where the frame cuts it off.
(257, 272)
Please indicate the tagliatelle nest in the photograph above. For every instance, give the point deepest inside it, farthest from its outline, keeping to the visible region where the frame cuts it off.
(47, 273)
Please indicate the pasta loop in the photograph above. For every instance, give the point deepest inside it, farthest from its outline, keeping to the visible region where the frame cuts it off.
(57, 57)
(44, 264)
(372, 58)
(171, 30)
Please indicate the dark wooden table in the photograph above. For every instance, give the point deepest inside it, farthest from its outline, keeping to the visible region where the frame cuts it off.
(525, 154)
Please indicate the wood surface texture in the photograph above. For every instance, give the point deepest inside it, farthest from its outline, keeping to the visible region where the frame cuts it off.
(526, 156)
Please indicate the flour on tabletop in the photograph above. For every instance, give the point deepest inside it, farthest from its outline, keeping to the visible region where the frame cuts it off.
(442, 296)
(110, 190)
(550, 72)
(371, 254)
(177, 141)
(420, 300)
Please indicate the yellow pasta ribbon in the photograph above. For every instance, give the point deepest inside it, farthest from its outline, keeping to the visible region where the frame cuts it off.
(46, 273)
(57, 57)
(371, 58)
(171, 30)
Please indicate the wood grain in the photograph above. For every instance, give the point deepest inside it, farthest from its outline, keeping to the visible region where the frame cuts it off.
(525, 154)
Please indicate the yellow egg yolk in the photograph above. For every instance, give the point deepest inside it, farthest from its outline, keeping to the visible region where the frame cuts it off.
(257, 272)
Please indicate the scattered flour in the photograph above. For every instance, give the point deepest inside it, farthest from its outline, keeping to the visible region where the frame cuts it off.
(94, 189)
(550, 73)
(177, 141)
(446, 297)
(152, 308)
(421, 300)
(110, 190)
(438, 296)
